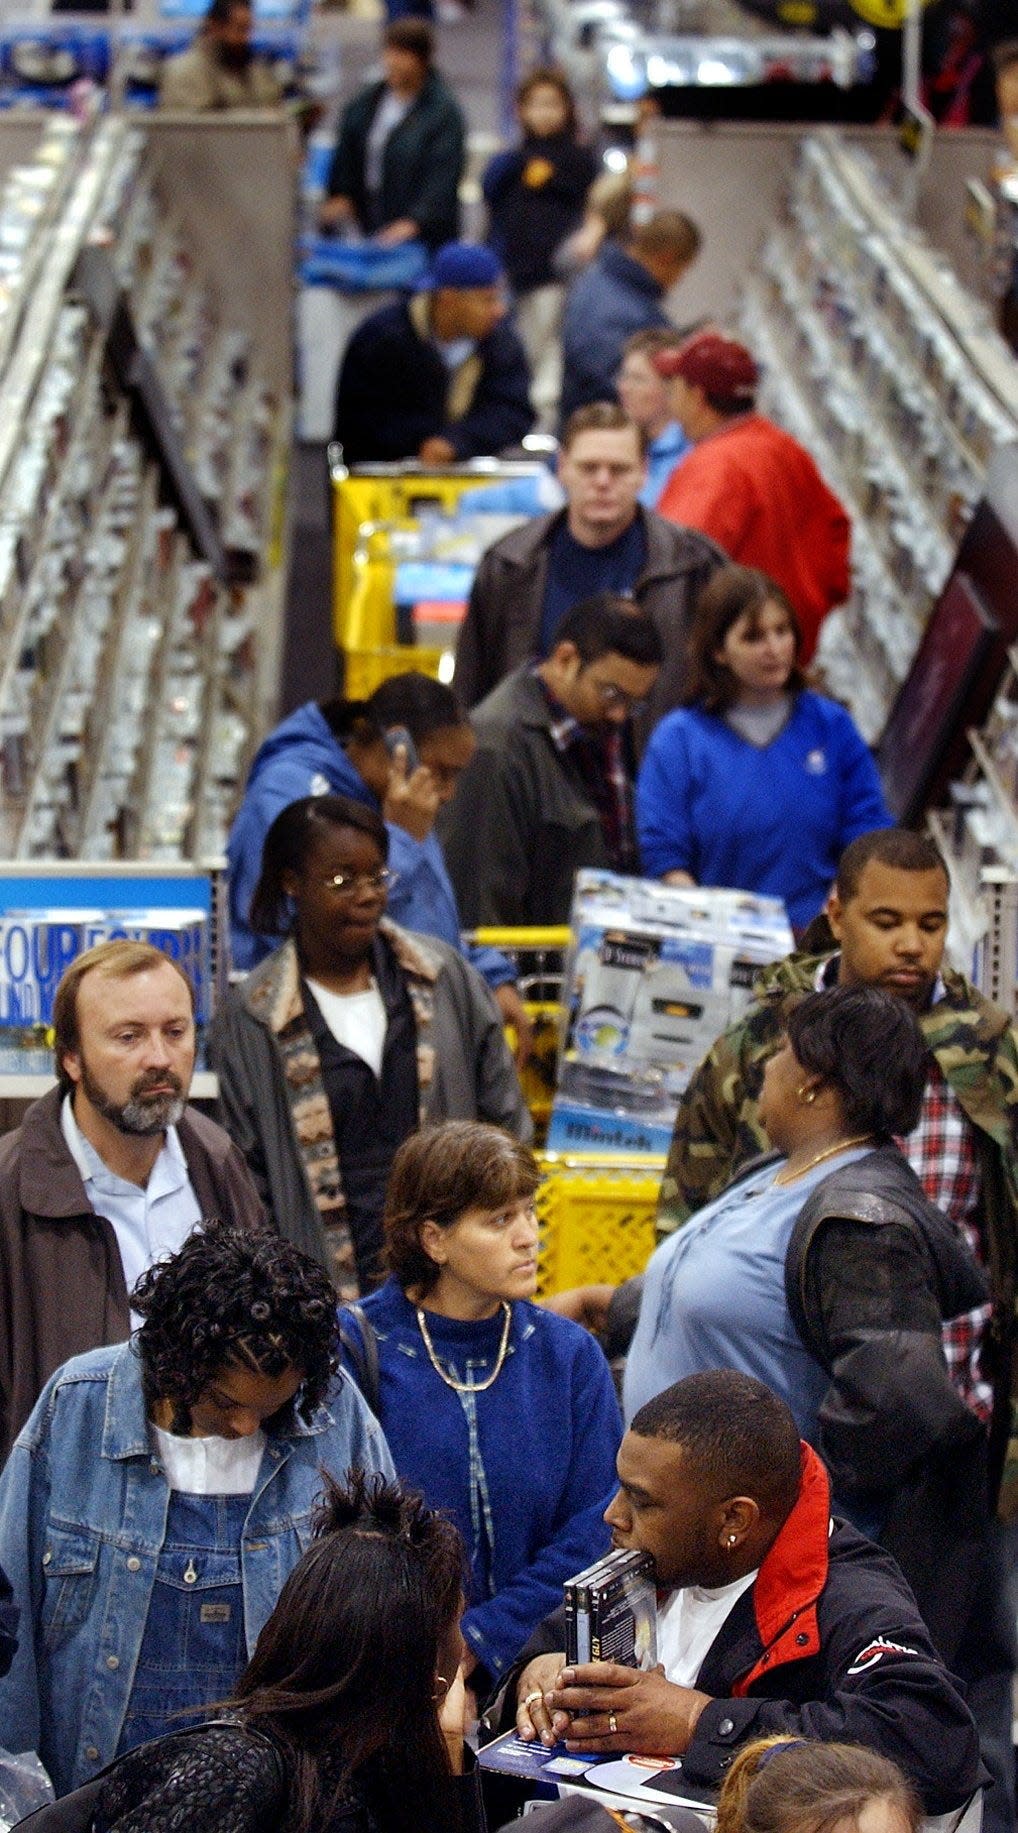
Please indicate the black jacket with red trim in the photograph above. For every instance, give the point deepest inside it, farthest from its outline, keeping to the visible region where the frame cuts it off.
(827, 1643)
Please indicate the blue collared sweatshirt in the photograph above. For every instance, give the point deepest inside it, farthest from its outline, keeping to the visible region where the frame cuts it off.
(303, 757)
(525, 1469)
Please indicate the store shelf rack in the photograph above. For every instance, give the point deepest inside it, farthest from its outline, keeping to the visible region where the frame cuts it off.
(892, 374)
(142, 460)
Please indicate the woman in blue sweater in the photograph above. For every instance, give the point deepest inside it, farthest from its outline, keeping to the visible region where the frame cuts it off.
(502, 1413)
(757, 783)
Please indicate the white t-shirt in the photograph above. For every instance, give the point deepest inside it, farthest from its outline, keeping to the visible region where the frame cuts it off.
(688, 1623)
(358, 1021)
(209, 1466)
(391, 110)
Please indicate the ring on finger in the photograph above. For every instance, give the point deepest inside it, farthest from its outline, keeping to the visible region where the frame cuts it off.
(536, 1694)
(613, 1723)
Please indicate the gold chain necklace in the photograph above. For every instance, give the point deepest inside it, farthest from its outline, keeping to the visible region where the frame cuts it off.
(843, 1145)
(468, 1387)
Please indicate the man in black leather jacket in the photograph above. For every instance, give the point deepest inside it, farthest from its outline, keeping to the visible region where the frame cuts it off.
(822, 1638)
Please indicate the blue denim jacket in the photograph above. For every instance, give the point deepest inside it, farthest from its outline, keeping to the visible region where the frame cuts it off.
(83, 1505)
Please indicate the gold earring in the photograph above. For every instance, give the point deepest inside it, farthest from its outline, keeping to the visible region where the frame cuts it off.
(441, 1689)
(805, 1094)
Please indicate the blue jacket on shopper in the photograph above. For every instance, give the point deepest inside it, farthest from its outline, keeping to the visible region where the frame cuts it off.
(83, 1508)
(613, 297)
(525, 1469)
(303, 757)
(772, 818)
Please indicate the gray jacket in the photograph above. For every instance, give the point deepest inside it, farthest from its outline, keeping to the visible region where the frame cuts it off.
(503, 621)
(521, 823)
(273, 1102)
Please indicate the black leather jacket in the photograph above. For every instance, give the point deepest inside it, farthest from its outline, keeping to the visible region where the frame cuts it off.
(872, 1270)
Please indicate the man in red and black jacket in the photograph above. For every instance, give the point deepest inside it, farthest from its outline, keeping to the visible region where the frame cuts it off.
(772, 1618)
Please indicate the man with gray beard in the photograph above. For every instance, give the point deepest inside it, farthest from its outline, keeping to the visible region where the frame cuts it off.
(108, 1172)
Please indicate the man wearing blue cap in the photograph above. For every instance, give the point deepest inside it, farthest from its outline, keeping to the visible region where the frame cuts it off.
(438, 376)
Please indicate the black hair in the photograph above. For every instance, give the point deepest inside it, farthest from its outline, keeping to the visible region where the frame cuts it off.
(219, 12)
(351, 719)
(413, 35)
(416, 701)
(291, 839)
(240, 1296)
(898, 847)
(346, 1664)
(739, 1437)
(607, 624)
(867, 1045)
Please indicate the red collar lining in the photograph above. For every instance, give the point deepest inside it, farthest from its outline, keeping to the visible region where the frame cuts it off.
(792, 1576)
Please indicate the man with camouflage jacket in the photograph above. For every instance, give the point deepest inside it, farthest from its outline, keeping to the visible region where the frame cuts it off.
(888, 913)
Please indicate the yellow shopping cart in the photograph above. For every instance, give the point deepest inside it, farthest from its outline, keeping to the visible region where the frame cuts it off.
(597, 1218)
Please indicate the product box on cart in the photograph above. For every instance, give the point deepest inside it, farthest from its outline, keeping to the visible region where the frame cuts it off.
(654, 975)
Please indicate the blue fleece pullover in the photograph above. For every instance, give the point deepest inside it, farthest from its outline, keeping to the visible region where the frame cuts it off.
(773, 818)
(611, 299)
(303, 757)
(525, 1469)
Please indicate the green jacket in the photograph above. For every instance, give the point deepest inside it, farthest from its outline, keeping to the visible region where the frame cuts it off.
(422, 163)
(717, 1130)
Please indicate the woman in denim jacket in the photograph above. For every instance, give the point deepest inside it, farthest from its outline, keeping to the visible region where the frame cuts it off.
(161, 1492)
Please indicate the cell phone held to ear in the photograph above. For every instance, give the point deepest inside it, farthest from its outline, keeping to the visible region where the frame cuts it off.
(398, 737)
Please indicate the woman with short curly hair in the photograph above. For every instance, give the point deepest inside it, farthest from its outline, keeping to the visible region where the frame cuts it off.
(162, 1490)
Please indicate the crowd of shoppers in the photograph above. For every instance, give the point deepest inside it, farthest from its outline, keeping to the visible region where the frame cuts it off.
(205, 1330)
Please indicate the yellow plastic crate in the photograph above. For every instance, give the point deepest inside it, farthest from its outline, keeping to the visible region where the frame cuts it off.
(366, 669)
(538, 954)
(597, 1218)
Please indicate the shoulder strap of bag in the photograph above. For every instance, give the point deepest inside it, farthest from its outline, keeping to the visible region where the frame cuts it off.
(75, 1813)
(361, 1350)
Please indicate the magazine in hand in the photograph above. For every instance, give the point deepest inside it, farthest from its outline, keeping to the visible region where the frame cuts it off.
(611, 1611)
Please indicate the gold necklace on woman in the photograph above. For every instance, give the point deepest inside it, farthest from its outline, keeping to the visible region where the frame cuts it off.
(843, 1145)
(468, 1387)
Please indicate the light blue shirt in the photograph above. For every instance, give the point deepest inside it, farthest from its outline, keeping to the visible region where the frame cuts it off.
(663, 454)
(148, 1222)
(714, 1297)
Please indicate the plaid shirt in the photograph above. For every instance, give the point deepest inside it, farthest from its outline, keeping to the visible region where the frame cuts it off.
(601, 760)
(942, 1152)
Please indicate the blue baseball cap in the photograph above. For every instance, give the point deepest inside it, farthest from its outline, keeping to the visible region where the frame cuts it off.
(462, 265)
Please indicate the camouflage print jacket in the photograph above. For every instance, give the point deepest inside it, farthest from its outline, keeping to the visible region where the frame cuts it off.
(718, 1129)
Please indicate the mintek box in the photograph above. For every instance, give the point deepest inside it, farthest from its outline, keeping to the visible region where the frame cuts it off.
(36, 947)
(655, 975)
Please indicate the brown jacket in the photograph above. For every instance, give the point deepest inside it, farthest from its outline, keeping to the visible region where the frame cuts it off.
(62, 1285)
(502, 625)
